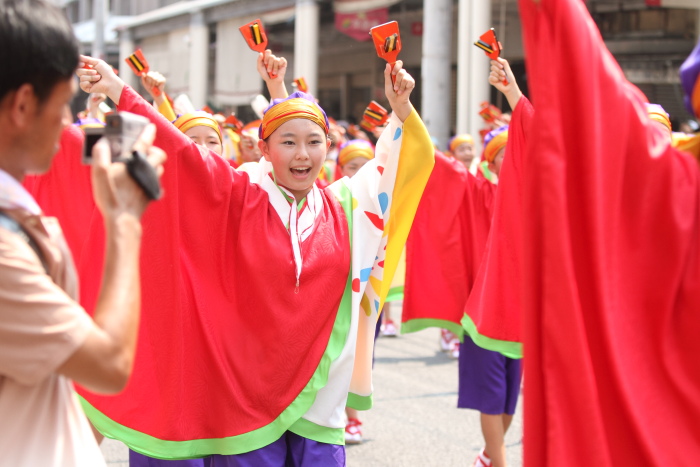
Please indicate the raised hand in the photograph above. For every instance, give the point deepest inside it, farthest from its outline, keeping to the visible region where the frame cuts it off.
(271, 65)
(399, 92)
(154, 80)
(97, 76)
(115, 192)
(500, 71)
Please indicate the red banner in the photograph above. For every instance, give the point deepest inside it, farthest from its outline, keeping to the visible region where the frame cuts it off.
(417, 28)
(357, 25)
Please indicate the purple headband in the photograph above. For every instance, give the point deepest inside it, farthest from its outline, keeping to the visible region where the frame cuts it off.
(690, 71)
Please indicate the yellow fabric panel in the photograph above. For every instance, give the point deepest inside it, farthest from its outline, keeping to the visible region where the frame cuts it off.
(166, 110)
(416, 162)
(399, 279)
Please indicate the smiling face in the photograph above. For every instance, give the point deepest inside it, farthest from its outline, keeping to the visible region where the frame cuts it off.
(296, 151)
(205, 136)
(465, 154)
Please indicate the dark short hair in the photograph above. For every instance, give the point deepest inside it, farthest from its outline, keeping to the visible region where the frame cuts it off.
(37, 46)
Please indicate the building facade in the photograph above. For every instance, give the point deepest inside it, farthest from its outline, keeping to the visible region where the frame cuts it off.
(196, 44)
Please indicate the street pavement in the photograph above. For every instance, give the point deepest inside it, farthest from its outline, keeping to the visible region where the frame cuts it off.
(414, 421)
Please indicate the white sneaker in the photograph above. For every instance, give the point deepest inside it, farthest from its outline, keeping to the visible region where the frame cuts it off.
(454, 353)
(353, 432)
(446, 339)
(482, 460)
(388, 329)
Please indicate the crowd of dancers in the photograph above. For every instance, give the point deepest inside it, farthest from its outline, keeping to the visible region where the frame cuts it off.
(569, 251)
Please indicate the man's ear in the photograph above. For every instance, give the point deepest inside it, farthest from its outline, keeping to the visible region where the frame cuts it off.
(328, 143)
(22, 105)
(264, 149)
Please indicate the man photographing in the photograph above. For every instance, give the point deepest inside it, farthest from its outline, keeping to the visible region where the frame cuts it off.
(46, 338)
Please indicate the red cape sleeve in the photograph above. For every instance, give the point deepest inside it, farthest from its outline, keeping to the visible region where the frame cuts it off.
(445, 245)
(493, 311)
(436, 268)
(197, 186)
(612, 265)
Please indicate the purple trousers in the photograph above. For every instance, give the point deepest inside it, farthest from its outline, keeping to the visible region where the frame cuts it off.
(488, 381)
(139, 460)
(291, 450)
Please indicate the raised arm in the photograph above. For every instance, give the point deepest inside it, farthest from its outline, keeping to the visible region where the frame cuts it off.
(399, 93)
(154, 80)
(269, 64)
(101, 78)
(97, 76)
(387, 191)
(500, 71)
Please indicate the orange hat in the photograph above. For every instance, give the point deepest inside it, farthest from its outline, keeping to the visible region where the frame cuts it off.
(495, 140)
(255, 124)
(198, 118)
(297, 105)
(355, 148)
(657, 113)
(459, 140)
(687, 143)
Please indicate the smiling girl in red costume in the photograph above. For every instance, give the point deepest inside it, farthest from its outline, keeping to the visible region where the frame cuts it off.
(262, 291)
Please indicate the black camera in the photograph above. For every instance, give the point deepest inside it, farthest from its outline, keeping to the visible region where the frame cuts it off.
(121, 131)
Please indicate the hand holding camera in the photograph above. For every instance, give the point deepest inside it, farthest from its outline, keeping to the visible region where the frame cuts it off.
(113, 184)
(122, 132)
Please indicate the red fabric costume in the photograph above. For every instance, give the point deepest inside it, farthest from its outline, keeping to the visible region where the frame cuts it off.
(192, 298)
(72, 200)
(612, 261)
(444, 248)
(493, 310)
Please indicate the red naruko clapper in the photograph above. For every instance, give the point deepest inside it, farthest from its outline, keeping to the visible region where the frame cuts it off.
(488, 42)
(138, 63)
(255, 37)
(375, 115)
(387, 41)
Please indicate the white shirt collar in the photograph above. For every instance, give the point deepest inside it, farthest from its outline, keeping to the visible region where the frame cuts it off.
(300, 225)
(13, 195)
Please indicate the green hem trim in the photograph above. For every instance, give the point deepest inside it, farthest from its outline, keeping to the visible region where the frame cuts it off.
(395, 294)
(260, 437)
(416, 325)
(488, 175)
(358, 402)
(508, 348)
(321, 434)
(111, 429)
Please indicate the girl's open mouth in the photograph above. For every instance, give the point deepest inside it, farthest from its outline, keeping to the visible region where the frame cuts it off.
(300, 172)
